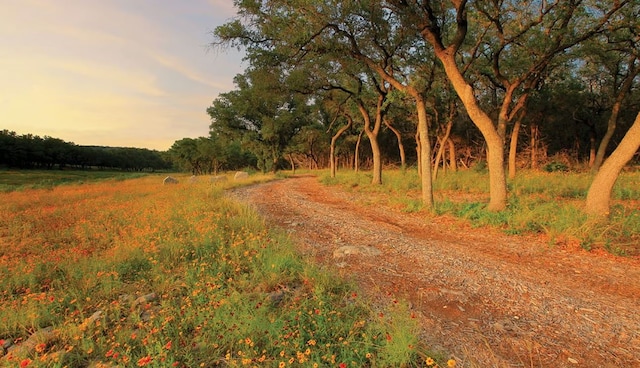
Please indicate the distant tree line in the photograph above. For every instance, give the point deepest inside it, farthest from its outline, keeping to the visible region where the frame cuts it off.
(209, 155)
(30, 151)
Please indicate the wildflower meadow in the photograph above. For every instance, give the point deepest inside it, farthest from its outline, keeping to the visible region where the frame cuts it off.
(134, 273)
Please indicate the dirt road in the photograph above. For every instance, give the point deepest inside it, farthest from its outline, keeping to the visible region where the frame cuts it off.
(490, 299)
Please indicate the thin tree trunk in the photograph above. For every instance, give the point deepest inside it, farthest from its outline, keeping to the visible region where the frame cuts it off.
(293, 164)
(356, 158)
(592, 147)
(534, 146)
(372, 134)
(599, 194)
(441, 149)
(418, 152)
(403, 158)
(513, 146)
(334, 139)
(452, 155)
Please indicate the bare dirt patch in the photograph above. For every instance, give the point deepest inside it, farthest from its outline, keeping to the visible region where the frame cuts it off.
(487, 298)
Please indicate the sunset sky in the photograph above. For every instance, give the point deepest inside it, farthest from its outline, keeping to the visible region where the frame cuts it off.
(131, 73)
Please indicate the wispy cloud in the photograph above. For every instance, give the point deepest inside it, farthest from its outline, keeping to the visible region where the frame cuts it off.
(187, 71)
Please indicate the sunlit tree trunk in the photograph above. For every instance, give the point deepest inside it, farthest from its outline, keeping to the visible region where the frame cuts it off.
(425, 153)
(495, 144)
(372, 134)
(599, 194)
(513, 146)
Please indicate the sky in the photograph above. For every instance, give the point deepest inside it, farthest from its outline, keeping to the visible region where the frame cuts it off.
(120, 73)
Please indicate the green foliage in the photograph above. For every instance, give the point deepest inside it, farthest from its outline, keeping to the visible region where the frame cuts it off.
(262, 114)
(206, 156)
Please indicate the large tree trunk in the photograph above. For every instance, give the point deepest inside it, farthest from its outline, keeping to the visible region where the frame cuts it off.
(495, 144)
(334, 139)
(377, 159)
(396, 132)
(599, 194)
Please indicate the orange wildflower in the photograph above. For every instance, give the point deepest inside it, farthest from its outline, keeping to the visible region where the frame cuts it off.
(41, 347)
(144, 361)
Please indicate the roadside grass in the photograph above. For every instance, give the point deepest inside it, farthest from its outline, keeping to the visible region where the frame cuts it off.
(136, 273)
(539, 203)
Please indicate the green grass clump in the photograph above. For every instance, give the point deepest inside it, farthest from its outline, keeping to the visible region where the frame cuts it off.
(539, 203)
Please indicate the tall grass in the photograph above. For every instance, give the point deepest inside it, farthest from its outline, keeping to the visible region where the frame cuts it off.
(539, 202)
(134, 273)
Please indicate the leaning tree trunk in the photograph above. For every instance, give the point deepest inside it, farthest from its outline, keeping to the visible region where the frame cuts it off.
(495, 144)
(403, 157)
(356, 156)
(613, 119)
(599, 194)
(293, 164)
(441, 149)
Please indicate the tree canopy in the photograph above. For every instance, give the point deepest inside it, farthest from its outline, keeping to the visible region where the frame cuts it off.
(475, 76)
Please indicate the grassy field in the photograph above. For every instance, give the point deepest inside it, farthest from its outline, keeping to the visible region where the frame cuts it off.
(11, 180)
(539, 203)
(134, 273)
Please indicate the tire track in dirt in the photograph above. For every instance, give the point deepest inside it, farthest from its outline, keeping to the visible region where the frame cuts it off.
(488, 298)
